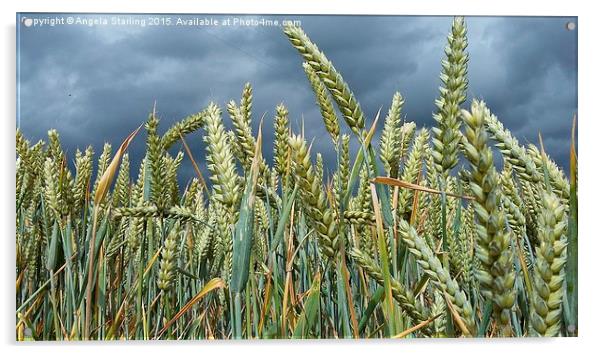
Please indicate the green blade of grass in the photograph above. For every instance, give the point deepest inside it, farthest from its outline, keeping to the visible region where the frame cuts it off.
(285, 213)
(572, 246)
(376, 298)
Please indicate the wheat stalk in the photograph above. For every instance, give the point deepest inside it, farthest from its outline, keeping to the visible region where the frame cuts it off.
(513, 152)
(281, 135)
(314, 197)
(390, 143)
(323, 100)
(447, 136)
(493, 241)
(548, 279)
(348, 105)
(433, 268)
(220, 160)
(403, 296)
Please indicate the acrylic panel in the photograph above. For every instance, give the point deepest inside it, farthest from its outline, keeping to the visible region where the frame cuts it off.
(194, 177)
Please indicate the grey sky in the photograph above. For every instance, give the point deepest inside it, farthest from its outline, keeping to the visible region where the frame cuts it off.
(98, 83)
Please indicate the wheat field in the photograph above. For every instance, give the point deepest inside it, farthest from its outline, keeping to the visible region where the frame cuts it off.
(421, 234)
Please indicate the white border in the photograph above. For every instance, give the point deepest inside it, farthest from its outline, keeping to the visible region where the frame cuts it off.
(589, 157)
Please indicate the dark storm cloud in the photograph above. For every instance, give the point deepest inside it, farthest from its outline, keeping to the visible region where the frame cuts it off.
(96, 84)
(527, 74)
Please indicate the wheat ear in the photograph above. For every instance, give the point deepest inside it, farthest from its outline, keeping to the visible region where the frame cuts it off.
(493, 241)
(548, 278)
(447, 135)
(348, 105)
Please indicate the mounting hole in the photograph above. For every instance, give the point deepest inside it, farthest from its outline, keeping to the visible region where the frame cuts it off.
(571, 26)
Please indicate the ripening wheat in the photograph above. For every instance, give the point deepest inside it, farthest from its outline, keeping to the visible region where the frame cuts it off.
(417, 235)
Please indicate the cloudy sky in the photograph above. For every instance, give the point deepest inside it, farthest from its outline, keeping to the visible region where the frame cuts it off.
(97, 83)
